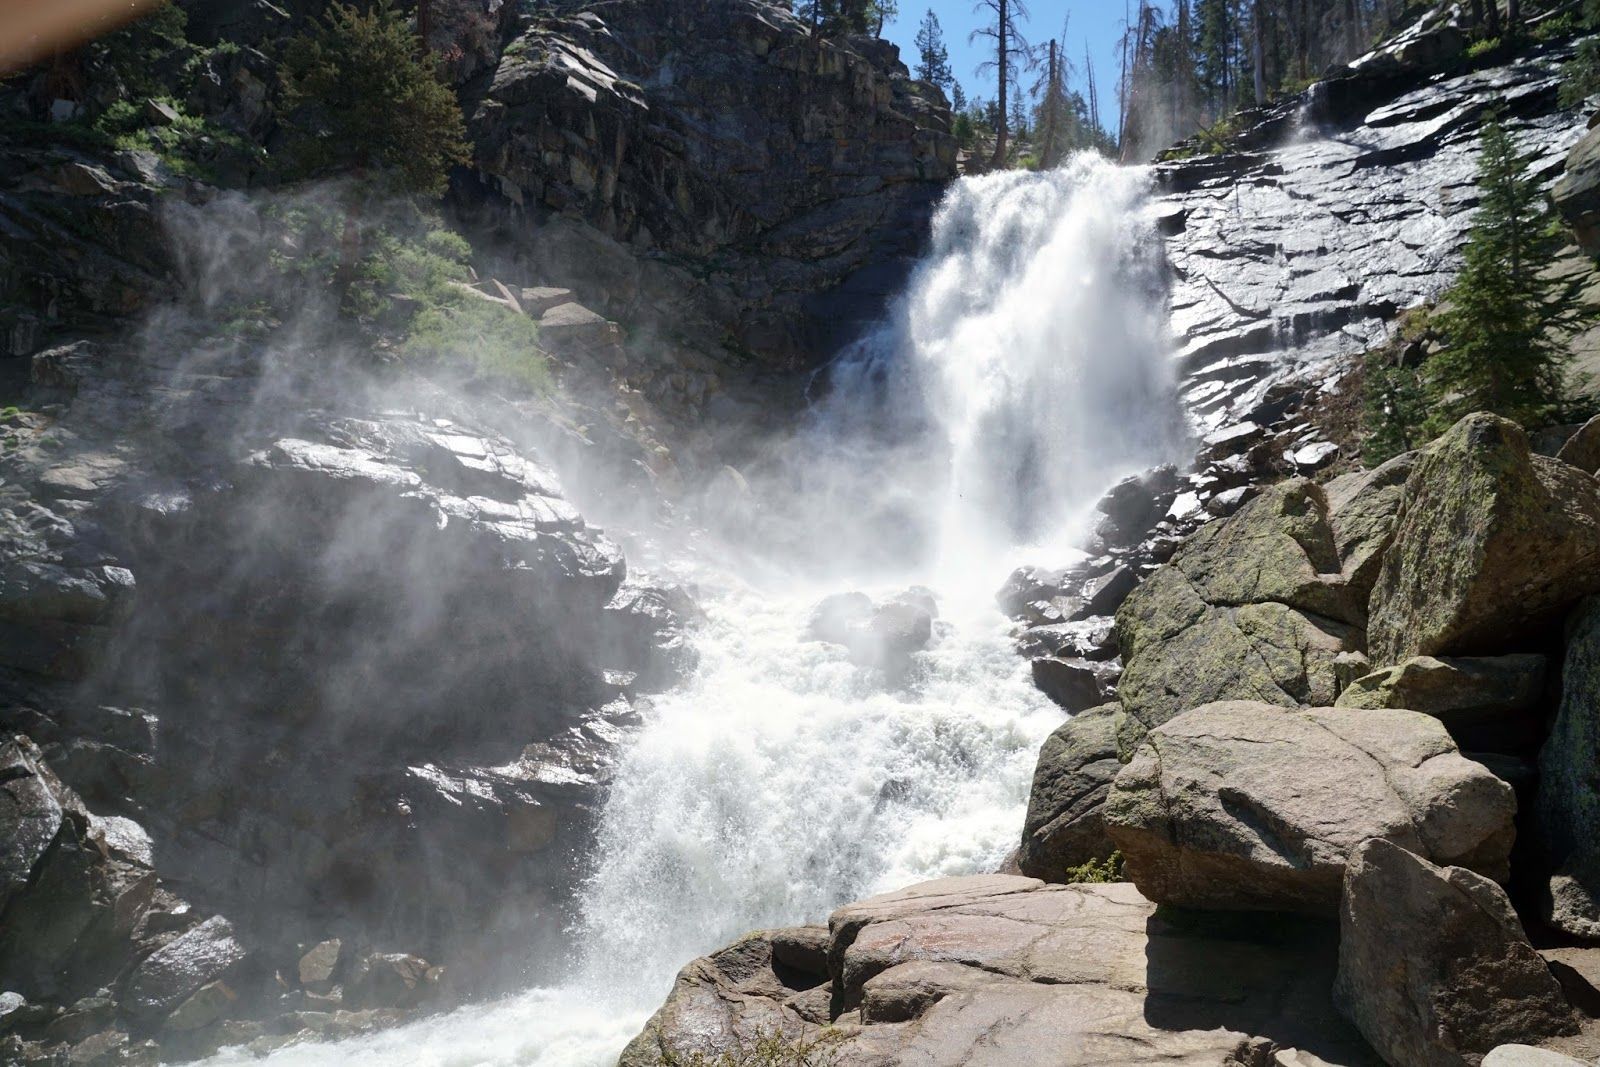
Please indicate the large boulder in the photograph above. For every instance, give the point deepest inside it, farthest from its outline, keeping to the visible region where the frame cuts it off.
(1256, 607)
(994, 971)
(1577, 194)
(72, 893)
(1568, 803)
(1492, 541)
(1076, 766)
(1434, 967)
(1249, 806)
(1488, 703)
(171, 974)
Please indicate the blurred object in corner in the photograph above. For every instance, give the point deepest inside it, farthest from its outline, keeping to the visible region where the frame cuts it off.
(31, 30)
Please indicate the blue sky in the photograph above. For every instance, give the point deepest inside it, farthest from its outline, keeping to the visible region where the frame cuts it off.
(1097, 22)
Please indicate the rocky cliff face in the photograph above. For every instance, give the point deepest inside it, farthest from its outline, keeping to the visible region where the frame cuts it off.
(713, 168)
(332, 671)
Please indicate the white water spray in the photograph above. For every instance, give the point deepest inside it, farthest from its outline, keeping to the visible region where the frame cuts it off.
(1025, 370)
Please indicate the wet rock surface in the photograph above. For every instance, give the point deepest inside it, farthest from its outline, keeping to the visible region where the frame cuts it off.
(286, 665)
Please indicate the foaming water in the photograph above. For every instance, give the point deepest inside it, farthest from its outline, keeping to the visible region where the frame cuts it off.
(1023, 371)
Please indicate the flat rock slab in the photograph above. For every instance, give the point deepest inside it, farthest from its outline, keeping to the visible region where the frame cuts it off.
(1001, 971)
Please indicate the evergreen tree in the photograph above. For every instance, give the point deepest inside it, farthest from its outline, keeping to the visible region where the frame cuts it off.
(1499, 354)
(359, 98)
(1394, 406)
(933, 57)
(1580, 78)
(958, 98)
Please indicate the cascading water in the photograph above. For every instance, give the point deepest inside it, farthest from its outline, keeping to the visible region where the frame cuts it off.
(1023, 371)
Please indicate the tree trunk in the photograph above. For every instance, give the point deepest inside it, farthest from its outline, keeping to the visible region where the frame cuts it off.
(1259, 53)
(1352, 28)
(1513, 18)
(424, 23)
(1003, 25)
(1492, 9)
(1051, 119)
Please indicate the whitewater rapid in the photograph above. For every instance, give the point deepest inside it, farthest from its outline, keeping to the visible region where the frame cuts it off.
(1025, 369)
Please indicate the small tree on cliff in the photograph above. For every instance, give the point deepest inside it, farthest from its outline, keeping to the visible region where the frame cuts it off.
(364, 100)
(933, 56)
(1499, 353)
(361, 99)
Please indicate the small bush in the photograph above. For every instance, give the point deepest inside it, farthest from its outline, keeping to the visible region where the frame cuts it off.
(1097, 871)
(766, 1049)
(496, 341)
(190, 146)
(1478, 49)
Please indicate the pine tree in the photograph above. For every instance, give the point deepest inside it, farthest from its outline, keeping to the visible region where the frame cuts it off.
(933, 57)
(1499, 354)
(359, 98)
(1394, 406)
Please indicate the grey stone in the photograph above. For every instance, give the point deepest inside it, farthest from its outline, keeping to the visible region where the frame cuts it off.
(1250, 806)
(1076, 765)
(1434, 967)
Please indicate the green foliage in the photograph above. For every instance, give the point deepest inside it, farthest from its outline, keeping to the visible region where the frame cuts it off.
(767, 1049)
(1097, 871)
(1499, 354)
(933, 56)
(1482, 47)
(137, 52)
(359, 97)
(1394, 407)
(191, 145)
(1580, 78)
(495, 341)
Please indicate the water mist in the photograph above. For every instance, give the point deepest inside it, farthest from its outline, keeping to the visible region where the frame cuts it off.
(1025, 368)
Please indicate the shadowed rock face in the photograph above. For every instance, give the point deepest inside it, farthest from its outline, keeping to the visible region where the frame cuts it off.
(997, 970)
(1433, 965)
(356, 667)
(714, 165)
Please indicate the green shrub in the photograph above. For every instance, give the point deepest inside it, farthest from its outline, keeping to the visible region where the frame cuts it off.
(1097, 871)
(1478, 49)
(766, 1049)
(497, 342)
(190, 145)
(1580, 78)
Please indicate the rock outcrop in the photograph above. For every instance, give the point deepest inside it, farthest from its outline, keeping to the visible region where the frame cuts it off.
(1491, 542)
(714, 166)
(996, 970)
(1064, 828)
(1249, 806)
(1434, 967)
(1577, 194)
(307, 653)
(1488, 703)
(1252, 608)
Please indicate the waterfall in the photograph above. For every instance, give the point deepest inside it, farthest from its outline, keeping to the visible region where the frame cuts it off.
(1025, 368)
